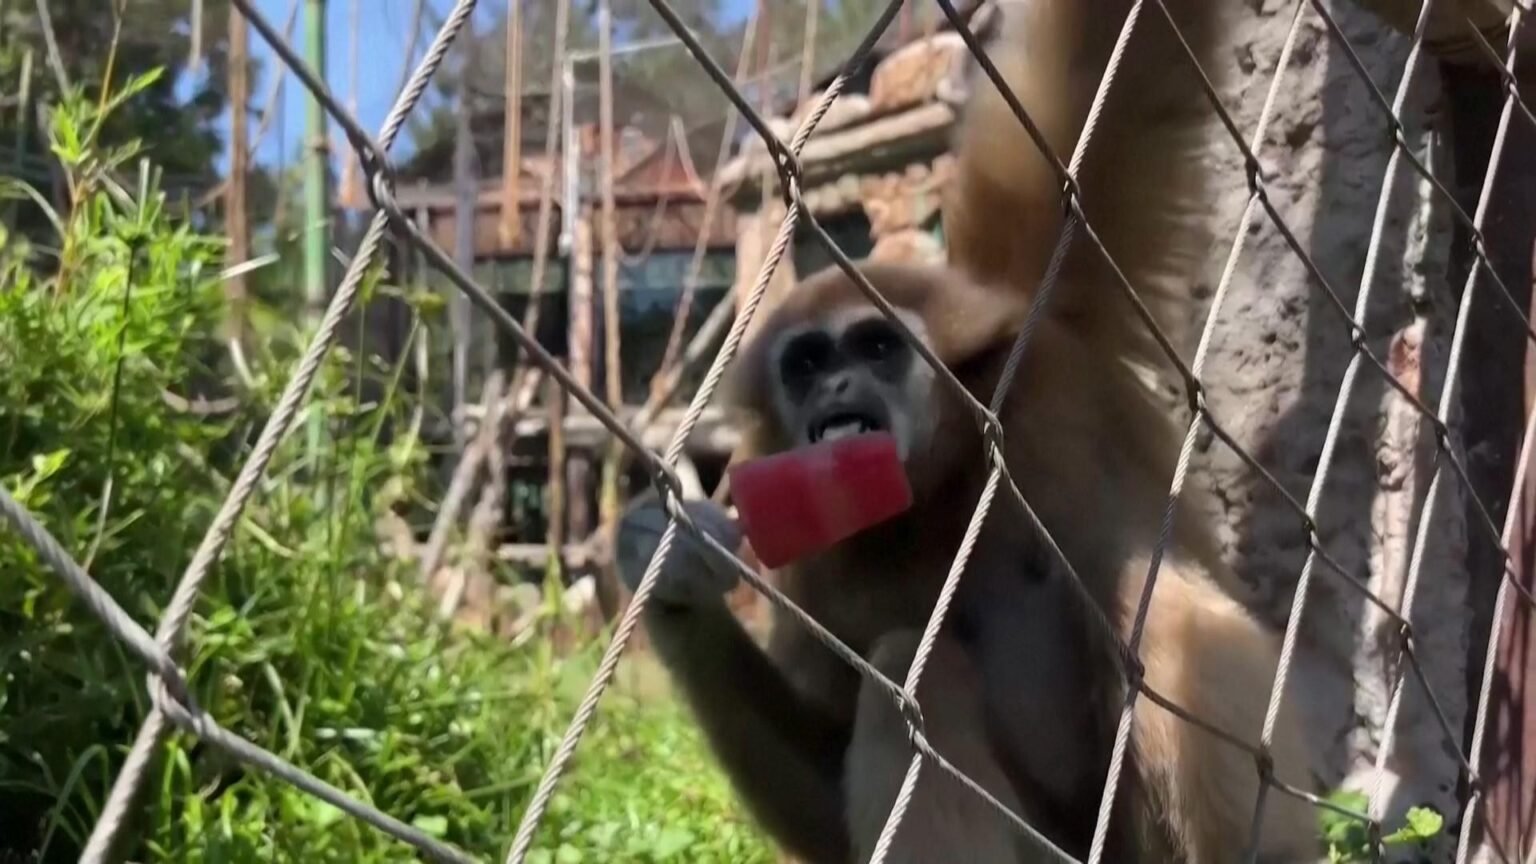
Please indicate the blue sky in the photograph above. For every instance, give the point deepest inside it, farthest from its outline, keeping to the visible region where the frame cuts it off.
(385, 29)
(382, 41)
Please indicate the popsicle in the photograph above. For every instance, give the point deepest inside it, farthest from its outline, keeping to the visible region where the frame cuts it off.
(800, 502)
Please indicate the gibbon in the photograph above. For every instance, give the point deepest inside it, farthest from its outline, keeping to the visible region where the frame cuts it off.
(1022, 692)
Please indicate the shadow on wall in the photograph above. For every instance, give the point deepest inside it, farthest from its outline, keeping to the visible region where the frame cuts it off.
(1378, 479)
(1330, 159)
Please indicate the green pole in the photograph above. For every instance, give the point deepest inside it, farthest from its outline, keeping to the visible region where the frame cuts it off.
(316, 197)
(315, 204)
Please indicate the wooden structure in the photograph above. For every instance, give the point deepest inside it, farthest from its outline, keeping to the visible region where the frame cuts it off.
(659, 198)
(659, 214)
(874, 170)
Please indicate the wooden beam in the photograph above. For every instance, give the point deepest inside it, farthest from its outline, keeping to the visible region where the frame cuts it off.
(554, 491)
(460, 319)
(609, 598)
(509, 225)
(684, 219)
(580, 342)
(575, 557)
(465, 475)
(895, 139)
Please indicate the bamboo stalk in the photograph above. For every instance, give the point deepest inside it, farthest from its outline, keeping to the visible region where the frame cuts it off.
(235, 217)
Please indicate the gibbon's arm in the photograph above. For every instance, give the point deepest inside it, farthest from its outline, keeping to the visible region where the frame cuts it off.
(1141, 181)
(784, 755)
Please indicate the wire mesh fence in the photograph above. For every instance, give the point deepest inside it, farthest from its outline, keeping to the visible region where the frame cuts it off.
(174, 707)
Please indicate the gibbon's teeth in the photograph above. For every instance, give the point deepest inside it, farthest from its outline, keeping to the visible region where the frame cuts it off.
(842, 430)
(842, 427)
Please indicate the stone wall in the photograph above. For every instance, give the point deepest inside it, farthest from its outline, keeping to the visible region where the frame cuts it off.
(1278, 356)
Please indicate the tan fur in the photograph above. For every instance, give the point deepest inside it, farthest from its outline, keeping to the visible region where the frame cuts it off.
(1206, 654)
(1141, 184)
(941, 808)
(1086, 441)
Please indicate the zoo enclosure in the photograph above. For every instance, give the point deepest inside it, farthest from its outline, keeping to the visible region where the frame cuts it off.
(173, 705)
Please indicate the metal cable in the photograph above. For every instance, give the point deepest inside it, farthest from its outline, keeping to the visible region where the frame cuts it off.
(173, 704)
(1448, 401)
(1511, 518)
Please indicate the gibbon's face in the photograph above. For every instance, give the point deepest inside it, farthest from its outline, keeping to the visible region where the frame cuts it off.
(848, 372)
(827, 363)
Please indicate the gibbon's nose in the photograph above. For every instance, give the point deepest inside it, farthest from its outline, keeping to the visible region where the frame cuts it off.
(839, 384)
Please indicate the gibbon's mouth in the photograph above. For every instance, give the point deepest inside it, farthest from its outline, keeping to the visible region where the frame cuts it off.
(843, 424)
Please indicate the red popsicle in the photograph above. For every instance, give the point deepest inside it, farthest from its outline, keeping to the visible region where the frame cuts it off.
(804, 501)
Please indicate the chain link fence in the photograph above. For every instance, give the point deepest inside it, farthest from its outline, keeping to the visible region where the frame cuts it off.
(173, 705)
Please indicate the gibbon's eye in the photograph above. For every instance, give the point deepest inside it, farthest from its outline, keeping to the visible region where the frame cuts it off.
(806, 356)
(875, 340)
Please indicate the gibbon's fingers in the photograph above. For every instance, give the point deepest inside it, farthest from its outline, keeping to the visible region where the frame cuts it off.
(690, 576)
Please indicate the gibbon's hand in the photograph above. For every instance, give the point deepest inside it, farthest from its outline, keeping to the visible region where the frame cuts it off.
(689, 577)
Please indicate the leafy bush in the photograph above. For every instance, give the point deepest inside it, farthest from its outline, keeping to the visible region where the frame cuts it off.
(309, 640)
(1349, 841)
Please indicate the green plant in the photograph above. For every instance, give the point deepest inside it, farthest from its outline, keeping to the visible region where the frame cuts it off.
(1348, 839)
(308, 639)
(89, 349)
